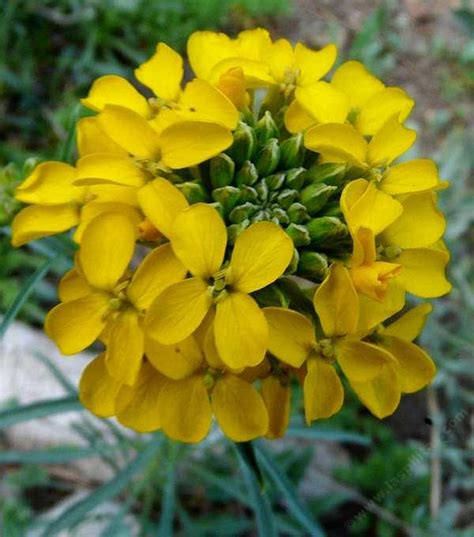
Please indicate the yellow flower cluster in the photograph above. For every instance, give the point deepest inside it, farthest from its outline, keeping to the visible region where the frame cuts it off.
(240, 234)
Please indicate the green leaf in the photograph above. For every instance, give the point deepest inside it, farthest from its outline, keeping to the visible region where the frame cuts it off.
(290, 495)
(26, 291)
(56, 372)
(108, 490)
(266, 525)
(168, 504)
(15, 415)
(314, 433)
(56, 455)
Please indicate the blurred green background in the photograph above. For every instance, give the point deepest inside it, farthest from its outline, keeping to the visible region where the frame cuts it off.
(411, 474)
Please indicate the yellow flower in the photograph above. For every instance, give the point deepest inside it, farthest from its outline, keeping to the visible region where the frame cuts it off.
(353, 94)
(378, 370)
(259, 257)
(98, 297)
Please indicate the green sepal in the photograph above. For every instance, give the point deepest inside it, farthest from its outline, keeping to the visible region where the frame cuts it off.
(234, 230)
(295, 178)
(227, 196)
(298, 213)
(245, 144)
(263, 191)
(329, 173)
(292, 152)
(275, 181)
(247, 175)
(286, 197)
(268, 158)
(281, 215)
(248, 193)
(315, 196)
(266, 128)
(326, 228)
(194, 192)
(242, 212)
(313, 265)
(298, 234)
(221, 170)
(293, 266)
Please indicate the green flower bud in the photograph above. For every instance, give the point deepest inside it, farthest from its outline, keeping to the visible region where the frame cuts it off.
(241, 212)
(245, 143)
(248, 193)
(298, 234)
(392, 251)
(175, 178)
(247, 175)
(268, 158)
(326, 228)
(266, 128)
(329, 173)
(332, 208)
(295, 178)
(275, 181)
(227, 196)
(193, 192)
(292, 152)
(293, 266)
(315, 196)
(286, 197)
(261, 216)
(313, 265)
(221, 170)
(234, 230)
(218, 207)
(280, 215)
(298, 213)
(263, 191)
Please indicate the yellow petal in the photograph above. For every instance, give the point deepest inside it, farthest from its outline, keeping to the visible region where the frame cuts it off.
(178, 311)
(115, 90)
(239, 409)
(416, 369)
(296, 118)
(412, 176)
(137, 406)
(125, 347)
(232, 84)
(72, 286)
(351, 194)
(281, 59)
(420, 224)
(185, 409)
(374, 210)
(161, 202)
(356, 82)
(261, 254)
(38, 221)
(162, 73)
(130, 131)
(199, 238)
(206, 49)
(92, 139)
(277, 399)
(202, 102)
(188, 143)
(391, 141)
(337, 143)
(410, 324)
(176, 361)
(372, 312)
(256, 72)
(50, 183)
(314, 64)
(390, 102)
(336, 302)
(209, 343)
(158, 270)
(372, 280)
(253, 44)
(107, 247)
(423, 272)
(97, 389)
(105, 193)
(361, 361)
(105, 168)
(323, 102)
(291, 335)
(240, 330)
(380, 395)
(75, 325)
(323, 391)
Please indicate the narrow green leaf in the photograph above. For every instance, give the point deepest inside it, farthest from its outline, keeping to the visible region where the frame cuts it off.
(247, 451)
(284, 485)
(266, 525)
(67, 150)
(56, 372)
(313, 433)
(168, 504)
(56, 455)
(108, 490)
(15, 415)
(26, 291)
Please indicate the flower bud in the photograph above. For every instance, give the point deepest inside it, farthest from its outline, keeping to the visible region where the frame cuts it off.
(315, 196)
(234, 230)
(245, 143)
(221, 170)
(326, 228)
(263, 191)
(298, 213)
(242, 212)
(286, 197)
(313, 265)
(193, 192)
(262, 215)
(293, 266)
(268, 158)
(248, 193)
(227, 196)
(266, 128)
(292, 152)
(298, 234)
(329, 173)
(280, 215)
(247, 175)
(332, 208)
(295, 178)
(275, 181)
(218, 207)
